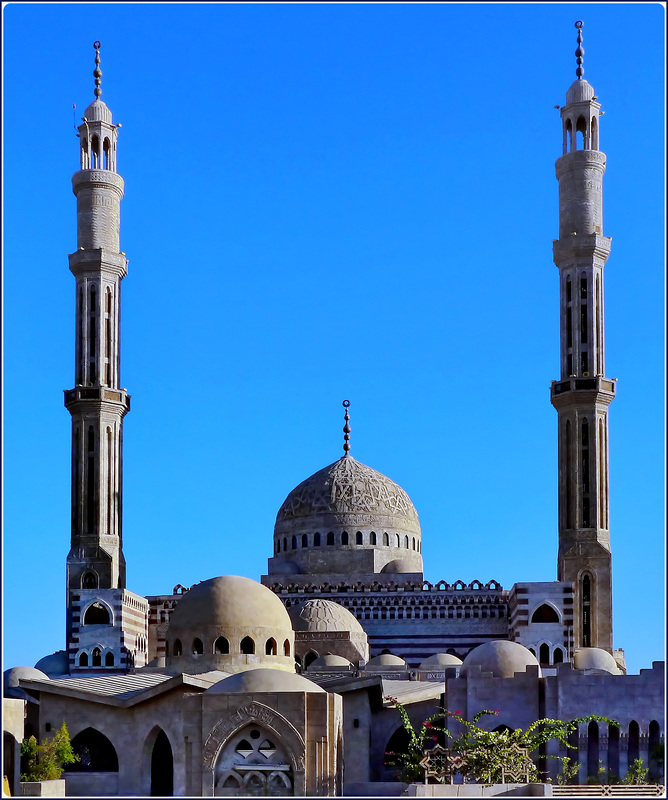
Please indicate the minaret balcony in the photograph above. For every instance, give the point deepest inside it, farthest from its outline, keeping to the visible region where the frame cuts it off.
(83, 396)
(583, 389)
(593, 247)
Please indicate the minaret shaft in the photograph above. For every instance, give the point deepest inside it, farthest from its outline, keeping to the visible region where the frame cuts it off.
(582, 395)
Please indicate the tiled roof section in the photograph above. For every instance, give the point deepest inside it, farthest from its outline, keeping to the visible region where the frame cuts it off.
(121, 687)
(412, 691)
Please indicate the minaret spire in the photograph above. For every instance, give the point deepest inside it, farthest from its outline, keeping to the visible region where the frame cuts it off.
(582, 395)
(98, 72)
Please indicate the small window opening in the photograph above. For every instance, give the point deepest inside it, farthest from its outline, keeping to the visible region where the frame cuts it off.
(294, 542)
(178, 647)
(109, 660)
(97, 657)
(83, 660)
(316, 539)
(286, 647)
(198, 647)
(330, 538)
(221, 646)
(372, 538)
(359, 538)
(270, 647)
(247, 646)
(386, 540)
(344, 537)
(304, 540)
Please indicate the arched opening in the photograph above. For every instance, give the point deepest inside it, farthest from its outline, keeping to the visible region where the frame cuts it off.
(96, 753)
(399, 742)
(162, 767)
(106, 157)
(221, 646)
(613, 752)
(253, 763)
(178, 647)
(109, 660)
(545, 613)
(634, 742)
(304, 540)
(247, 646)
(581, 134)
(8, 757)
(294, 542)
(97, 657)
(344, 537)
(406, 542)
(198, 647)
(586, 611)
(397, 540)
(414, 543)
(309, 658)
(569, 135)
(503, 729)
(270, 647)
(285, 543)
(83, 660)
(330, 538)
(97, 614)
(558, 655)
(592, 749)
(594, 133)
(95, 152)
(316, 540)
(85, 162)
(372, 538)
(359, 538)
(386, 540)
(655, 752)
(286, 647)
(89, 581)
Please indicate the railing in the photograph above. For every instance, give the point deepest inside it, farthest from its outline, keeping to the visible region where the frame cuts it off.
(615, 790)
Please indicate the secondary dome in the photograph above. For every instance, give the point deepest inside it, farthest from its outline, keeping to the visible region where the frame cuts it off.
(11, 678)
(595, 658)
(98, 111)
(348, 487)
(263, 680)
(502, 658)
(386, 660)
(440, 660)
(229, 623)
(323, 615)
(329, 661)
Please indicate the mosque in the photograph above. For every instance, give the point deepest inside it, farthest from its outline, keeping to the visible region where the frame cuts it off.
(243, 688)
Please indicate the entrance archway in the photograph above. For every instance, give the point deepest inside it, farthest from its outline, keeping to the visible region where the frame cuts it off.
(162, 767)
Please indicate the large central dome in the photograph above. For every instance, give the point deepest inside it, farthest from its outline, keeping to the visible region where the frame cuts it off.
(348, 487)
(346, 519)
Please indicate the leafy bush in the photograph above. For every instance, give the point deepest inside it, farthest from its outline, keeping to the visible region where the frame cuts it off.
(45, 762)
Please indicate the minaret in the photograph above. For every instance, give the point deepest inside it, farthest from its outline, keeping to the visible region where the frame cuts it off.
(95, 564)
(583, 394)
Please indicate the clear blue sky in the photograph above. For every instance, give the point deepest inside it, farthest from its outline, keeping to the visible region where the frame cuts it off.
(328, 202)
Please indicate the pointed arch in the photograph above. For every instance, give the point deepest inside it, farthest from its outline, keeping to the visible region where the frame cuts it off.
(545, 612)
(97, 612)
(96, 752)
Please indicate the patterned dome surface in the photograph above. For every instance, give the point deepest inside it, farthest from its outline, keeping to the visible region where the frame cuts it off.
(98, 111)
(580, 91)
(347, 487)
(323, 615)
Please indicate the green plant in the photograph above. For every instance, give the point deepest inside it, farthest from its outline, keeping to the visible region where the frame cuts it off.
(637, 773)
(569, 771)
(488, 753)
(45, 762)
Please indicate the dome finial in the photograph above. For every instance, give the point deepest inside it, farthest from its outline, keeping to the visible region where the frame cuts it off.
(98, 72)
(579, 53)
(346, 428)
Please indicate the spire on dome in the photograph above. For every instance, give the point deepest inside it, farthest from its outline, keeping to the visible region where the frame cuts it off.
(579, 53)
(346, 428)
(98, 72)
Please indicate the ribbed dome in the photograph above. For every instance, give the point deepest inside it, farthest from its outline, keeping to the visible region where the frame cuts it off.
(97, 111)
(579, 92)
(229, 601)
(263, 680)
(348, 487)
(323, 615)
(502, 658)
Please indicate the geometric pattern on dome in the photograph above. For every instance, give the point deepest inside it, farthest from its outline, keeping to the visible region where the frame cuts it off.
(347, 487)
(325, 615)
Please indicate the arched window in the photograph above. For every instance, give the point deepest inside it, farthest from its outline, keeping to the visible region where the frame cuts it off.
(397, 541)
(544, 654)
(106, 161)
(198, 647)
(89, 580)
(386, 540)
(545, 613)
(109, 660)
(613, 751)
(316, 539)
(97, 614)
(270, 647)
(372, 537)
(97, 657)
(96, 753)
(406, 542)
(634, 742)
(294, 542)
(655, 751)
(83, 660)
(414, 543)
(162, 767)
(344, 537)
(285, 543)
(247, 646)
(95, 152)
(221, 646)
(592, 749)
(304, 540)
(286, 647)
(330, 538)
(558, 655)
(310, 658)
(359, 538)
(178, 647)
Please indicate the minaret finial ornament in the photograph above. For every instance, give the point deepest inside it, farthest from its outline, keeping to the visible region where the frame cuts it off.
(346, 428)
(579, 53)
(98, 72)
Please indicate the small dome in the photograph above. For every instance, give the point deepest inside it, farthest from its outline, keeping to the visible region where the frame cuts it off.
(580, 92)
(264, 680)
(97, 111)
(502, 658)
(349, 487)
(229, 601)
(323, 615)
(440, 660)
(11, 678)
(397, 566)
(595, 658)
(386, 660)
(330, 661)
(55, 664)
